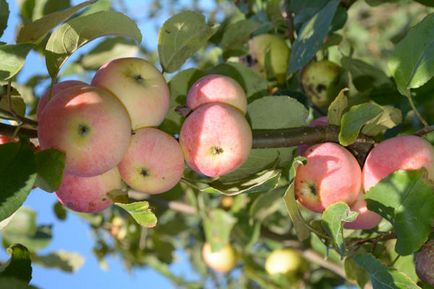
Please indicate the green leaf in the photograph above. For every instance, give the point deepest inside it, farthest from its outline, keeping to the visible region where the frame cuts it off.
(337, 108)
(180, 37)
(63, 260)
(274, 112)
(19, 265)
(302, 229)
(8, 282)
(389, 118)
(218, 225)
(238, 33)
(353, 120)
(333, 218)
(12, 58)
(49, 166)
(355, 273)
(406, 199)
(311, 36)
(253, 84)
(381, 276)
(4, 15)
(412, 62)
(266, 204)
(77, 32)
(140, 212)
(98, 6)
(17, 176)
(17, 104)
(34, 32)
(60, 211)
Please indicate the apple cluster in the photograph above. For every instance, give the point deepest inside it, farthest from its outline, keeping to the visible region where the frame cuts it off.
(332, 174)
(108, 133)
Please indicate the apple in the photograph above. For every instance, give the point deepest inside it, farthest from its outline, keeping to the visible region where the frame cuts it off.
(271, 50)
(425, 263)
(57, 87)
(89, 194)
(398, 153)
(283, 261)
(320, 121)
(217, 88)
(88, 124)
(153, 163)
(221, 261)
(6, 139)
(215, 139)
(140, 86)
(320, 81)
(366, 219)
(332, 174)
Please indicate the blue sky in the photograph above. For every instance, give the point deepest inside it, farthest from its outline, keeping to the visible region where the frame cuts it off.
(74, 234)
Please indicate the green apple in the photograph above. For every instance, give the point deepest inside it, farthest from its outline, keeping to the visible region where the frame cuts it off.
(284, 261)
(222, 261)
(140, 86)
(270, 54)
(321, 82)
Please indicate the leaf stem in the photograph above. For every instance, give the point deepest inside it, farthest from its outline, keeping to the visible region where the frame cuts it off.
(413, 107)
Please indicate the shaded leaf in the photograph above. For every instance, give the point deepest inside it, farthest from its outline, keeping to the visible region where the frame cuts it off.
(63, 260)
(311, 36)
(180, 37)
(364, 75)
(35, 31)
(412, 62)
(19, 265)
(140, 212)
(406, 199)
(238, 33)
(12, 58)
(60, 211)
(302, 229)
(17, 176)
(4, 15)
(388, 118)
(353, 120)
(337, 108)
(49, 166)
(266, 204)
(77, 32)
(355, 273)
(218, 225)
(17, 105)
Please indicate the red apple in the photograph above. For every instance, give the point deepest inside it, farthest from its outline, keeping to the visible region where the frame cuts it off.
(366, 219)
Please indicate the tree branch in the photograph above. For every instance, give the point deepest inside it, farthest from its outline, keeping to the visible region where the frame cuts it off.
(9, 130)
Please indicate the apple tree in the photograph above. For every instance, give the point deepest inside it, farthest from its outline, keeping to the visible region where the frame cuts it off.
(279, 144)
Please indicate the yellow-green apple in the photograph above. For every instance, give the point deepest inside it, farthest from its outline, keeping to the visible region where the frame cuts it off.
(57, 87)
(217, 88)
(90, 125)
(321, 82)
(89, 194)
(216, 139)
(425, 263)
(283, 261)
(320, 121)
(366, 219)
(223, 260)
(140, 86)
(332, 174)
(397, 153)
(271, 51)
(153, 163)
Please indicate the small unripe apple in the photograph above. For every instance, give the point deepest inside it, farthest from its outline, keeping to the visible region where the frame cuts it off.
(89, 194)
(153, 163)
(332, 174)
(278, 52)
(217, 88)
(397, 153)
(366, 219)
(140, 86)
(320, 121)
(57, 87)
(283, 261)
(88, 124)
(215, 139)
(320, 82)
(425, 263)
(221, 261)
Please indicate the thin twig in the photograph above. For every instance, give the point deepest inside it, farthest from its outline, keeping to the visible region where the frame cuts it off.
(413, 107)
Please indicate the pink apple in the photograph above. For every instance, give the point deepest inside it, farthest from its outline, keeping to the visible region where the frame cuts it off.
(223, 260)
(216, 139)
(397, 153)
(89, 194)
(58, 87)
(90, 125)
(366, 219)
(5, 139)
(320, 121)
(332, 174)
(217, 88)
(140, 86)
(153, 163)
